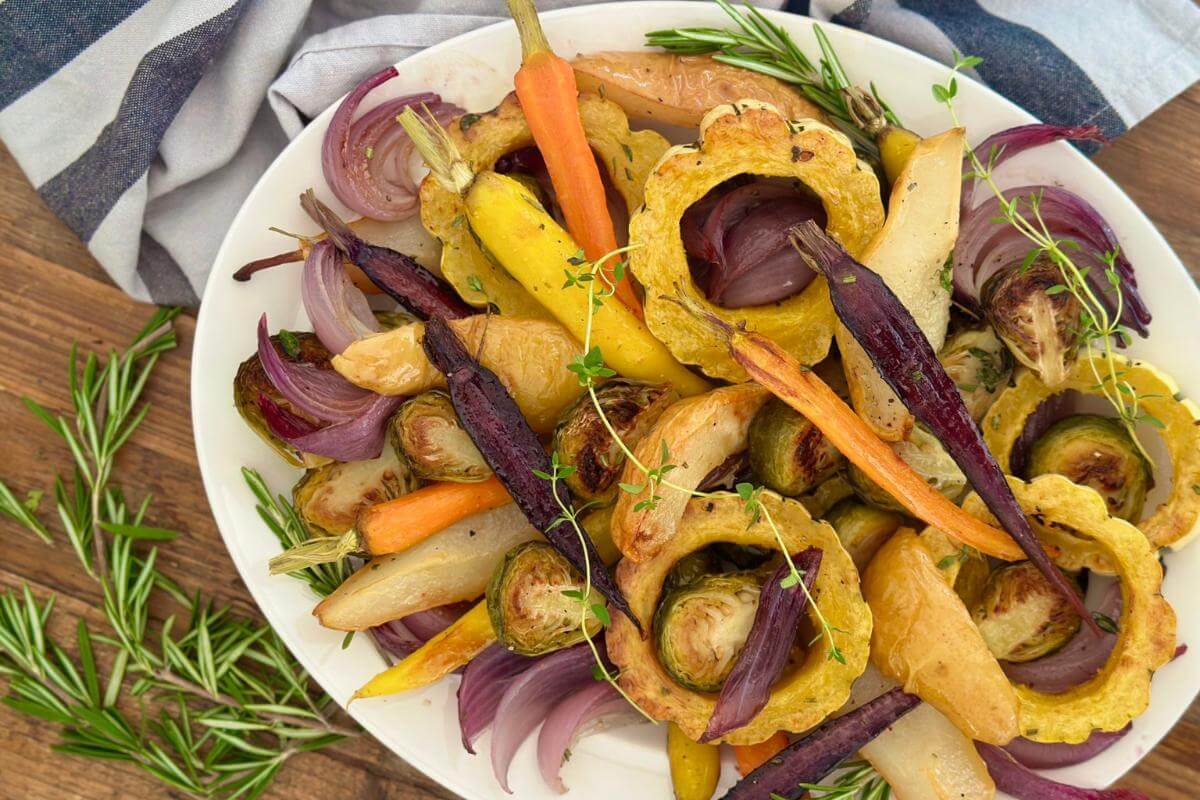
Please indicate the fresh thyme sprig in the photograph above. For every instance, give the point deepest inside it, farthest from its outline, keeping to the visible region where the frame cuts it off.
(858, 781)
(1097, 328)
(762, 46)
(589, 367)
(208, 703)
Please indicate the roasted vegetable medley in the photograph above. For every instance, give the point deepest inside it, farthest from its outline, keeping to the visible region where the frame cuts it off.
(800, 436)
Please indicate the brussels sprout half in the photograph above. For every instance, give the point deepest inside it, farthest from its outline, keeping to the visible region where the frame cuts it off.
(251, 381)
(787, 452)
(427, 431)
(926, 455)
(1097, 452)
(701, 627)
(1021, 616)
(583, 441)
(1039, 327)
(328, 498)
(862, 528)
(534, 600)
(979, 364)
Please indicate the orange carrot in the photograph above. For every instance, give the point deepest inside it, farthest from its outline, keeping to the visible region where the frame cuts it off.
(401, 523)
(752, 756)
(549, 99)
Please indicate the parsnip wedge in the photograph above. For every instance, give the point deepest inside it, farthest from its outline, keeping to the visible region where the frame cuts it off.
(909, 253)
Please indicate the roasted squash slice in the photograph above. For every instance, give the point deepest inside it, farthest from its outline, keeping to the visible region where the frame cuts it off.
(748, 137)
(1174, 523)
(808, 692)
(482, 139)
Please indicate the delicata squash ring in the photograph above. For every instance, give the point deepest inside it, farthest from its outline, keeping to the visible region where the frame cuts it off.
(1146, 639)
(805, 695)
(748, 137)
(1176, 521)
(628, 156)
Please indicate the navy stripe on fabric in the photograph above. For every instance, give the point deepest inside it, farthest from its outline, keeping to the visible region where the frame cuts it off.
(164, 278)
(83, 193)
(37, 37)
(1049, 84)
(797, 7)
(854, 15)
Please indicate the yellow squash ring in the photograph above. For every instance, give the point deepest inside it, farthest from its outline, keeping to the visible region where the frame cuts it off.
(1177, 520)
(804, 696)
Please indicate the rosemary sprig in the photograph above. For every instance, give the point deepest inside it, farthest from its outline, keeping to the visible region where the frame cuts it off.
(589, 367)
(210, 704)
(759, 45)
(858, 781)
(1097, 328)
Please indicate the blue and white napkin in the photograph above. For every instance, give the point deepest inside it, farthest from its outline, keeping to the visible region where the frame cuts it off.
(144, 123)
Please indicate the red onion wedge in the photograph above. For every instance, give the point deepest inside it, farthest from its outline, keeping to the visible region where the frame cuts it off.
(766, 651)
(336, 307)
(530, 697)
(484, 682)
(738, 238)
(320, 393)
(432, 621)
(810, 759)
(1077, 661)
(906, 361)
(1052, 755)
(368, 162)
(408, 283)
(593, 706)
(1023, 784)
(356, 439)
(395, 639)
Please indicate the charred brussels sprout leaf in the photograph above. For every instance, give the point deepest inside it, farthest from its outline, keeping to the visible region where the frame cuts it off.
(251, 381)
(328, 498)
(692, 568)
(862, 528)
(979, 364)
(535, 601)
(582, 440)
(1037, 320)
(925, 454)
(427, 431)
(1022, 617)
(1098, 452)
(390, 320)
(701, 628)
(787, 452)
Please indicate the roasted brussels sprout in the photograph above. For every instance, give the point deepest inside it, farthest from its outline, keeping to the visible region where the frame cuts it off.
(329, 498)
(534, 600)
(1098, 452)
(388, 320)
(979, 364)
(925, 454)
(581, 439)
(701, 628)
(1021, 616)
(1040, 328)
(787, 452)
(692, 567)
(862, 529)
(427, 431)
(251, 381)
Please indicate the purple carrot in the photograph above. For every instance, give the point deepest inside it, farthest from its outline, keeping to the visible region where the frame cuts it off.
(906, 361)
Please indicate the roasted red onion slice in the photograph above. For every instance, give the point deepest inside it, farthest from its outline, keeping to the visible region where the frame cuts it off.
(737, 238)
(336, 307)
(368, 162)
(810, 759)
(1049, 411)
(429, 623)
(594, 705)
(530, 697)
(1077, 661)
(765, 653)
(1023, 784)
(484, 682)
(1053, 755)
(357, 439)
(320, 393)
(395, 639)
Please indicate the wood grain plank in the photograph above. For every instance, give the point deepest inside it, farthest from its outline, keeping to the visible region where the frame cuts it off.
(53, 292)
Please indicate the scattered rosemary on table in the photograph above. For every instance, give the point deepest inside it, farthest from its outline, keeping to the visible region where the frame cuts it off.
(1097, 328)
(760, 45)
(208, 703)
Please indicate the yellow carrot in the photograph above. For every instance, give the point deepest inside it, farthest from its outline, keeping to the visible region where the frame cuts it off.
(695, 767)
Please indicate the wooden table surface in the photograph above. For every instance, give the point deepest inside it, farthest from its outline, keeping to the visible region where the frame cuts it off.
(52, 292)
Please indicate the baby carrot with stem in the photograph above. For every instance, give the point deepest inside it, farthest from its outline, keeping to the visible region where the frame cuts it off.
(548, 93)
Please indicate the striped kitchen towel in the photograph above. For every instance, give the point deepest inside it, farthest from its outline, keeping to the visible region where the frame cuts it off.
(144, 123)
